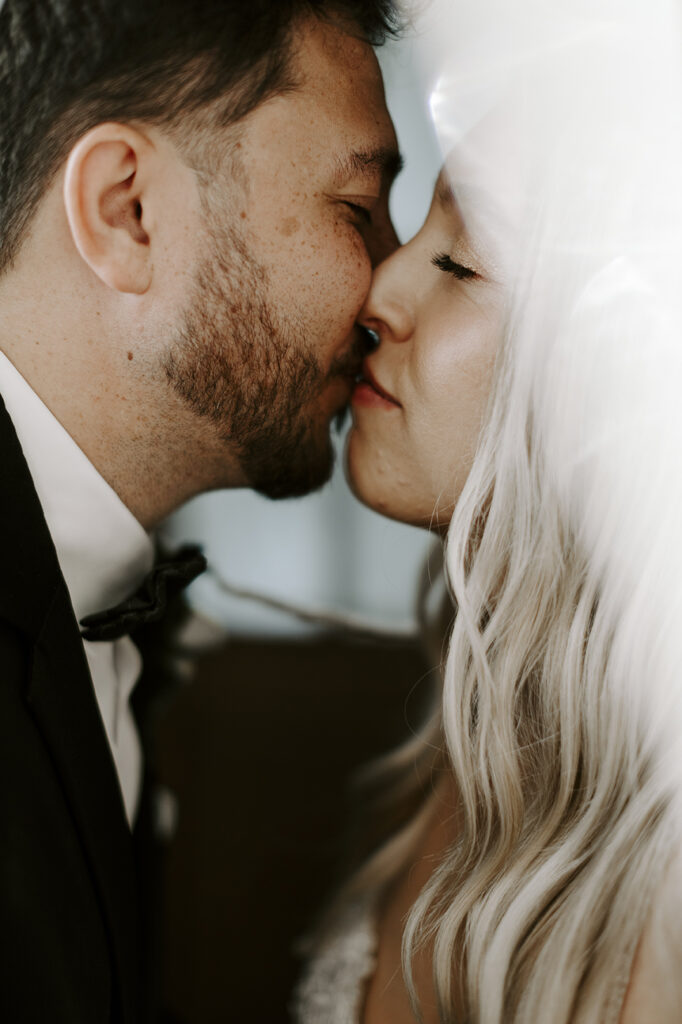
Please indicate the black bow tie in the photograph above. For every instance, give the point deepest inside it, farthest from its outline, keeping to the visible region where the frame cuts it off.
(148, 603)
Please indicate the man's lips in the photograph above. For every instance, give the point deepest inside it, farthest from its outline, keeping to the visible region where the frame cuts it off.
(368, 381)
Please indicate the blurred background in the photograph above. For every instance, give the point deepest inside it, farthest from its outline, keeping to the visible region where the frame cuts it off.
(255, 754)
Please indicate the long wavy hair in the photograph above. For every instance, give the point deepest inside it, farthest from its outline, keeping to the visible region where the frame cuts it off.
(559, 717)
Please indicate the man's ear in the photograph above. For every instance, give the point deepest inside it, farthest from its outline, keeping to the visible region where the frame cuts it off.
(107, 173)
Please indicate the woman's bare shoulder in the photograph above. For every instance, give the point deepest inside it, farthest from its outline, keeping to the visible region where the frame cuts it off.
(655, 989)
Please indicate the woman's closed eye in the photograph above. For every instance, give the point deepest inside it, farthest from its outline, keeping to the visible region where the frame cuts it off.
(446, 263)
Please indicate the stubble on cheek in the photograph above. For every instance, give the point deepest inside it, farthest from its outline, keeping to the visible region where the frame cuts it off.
(249, 373)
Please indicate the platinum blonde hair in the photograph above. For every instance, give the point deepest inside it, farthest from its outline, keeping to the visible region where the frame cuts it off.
(561, 716)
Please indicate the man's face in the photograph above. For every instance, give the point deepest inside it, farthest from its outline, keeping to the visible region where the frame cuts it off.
(267, 348)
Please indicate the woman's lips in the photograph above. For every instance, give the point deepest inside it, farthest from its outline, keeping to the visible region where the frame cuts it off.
(369, 392)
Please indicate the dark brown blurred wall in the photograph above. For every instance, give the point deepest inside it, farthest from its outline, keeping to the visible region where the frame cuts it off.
(258, 750)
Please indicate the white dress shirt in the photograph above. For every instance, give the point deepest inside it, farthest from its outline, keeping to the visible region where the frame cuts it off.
(103, 551)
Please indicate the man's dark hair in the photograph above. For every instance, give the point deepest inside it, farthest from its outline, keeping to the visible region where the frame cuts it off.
(67, 65)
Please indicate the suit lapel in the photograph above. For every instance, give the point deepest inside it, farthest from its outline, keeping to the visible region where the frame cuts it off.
(33, 596)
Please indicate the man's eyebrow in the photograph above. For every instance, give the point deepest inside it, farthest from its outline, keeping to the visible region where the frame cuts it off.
(386, 160)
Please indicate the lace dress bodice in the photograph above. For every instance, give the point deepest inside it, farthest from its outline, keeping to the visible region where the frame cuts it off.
(333, 987)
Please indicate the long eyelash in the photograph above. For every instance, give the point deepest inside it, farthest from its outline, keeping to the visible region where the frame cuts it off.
(446, 263)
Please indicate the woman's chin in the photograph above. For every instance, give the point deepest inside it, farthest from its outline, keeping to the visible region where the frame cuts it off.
(354, 470)
(385, 493)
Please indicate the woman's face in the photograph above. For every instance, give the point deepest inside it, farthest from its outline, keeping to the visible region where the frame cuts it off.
(437, 310)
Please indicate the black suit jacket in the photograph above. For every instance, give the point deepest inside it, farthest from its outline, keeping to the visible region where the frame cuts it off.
(67, 876)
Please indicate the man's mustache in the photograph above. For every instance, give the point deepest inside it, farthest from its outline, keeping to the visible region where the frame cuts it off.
(349, 364)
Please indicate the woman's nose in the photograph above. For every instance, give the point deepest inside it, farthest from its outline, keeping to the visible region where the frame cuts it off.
(389, 309)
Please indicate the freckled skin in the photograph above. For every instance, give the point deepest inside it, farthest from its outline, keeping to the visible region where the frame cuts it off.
(318, 255)
(289, 226)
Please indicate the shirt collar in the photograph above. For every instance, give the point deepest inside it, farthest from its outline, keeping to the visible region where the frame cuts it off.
(103, 551)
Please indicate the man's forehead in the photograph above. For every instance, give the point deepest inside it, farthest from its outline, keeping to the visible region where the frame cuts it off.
(336, 113)
(323, 46)
(338, 72)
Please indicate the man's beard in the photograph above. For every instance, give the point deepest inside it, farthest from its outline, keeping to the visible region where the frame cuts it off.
(248, 371)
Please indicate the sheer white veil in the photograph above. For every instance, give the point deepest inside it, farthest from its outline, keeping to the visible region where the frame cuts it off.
(560, 123)
(578, 189)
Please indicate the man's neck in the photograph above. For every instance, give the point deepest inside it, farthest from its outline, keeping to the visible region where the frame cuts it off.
(153, 466)
(90, 367)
